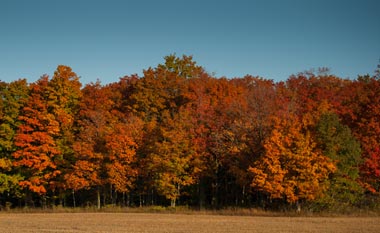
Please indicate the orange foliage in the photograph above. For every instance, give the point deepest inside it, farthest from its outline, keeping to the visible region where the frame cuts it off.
(178, 126)
(35, 139)
(291, 167)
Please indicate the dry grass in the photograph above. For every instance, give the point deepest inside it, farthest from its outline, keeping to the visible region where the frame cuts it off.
(148, 222)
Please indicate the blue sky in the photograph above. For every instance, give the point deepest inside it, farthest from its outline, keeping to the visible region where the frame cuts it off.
(108, 39)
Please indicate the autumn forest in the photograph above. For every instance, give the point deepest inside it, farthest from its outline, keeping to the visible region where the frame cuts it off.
(177, 135)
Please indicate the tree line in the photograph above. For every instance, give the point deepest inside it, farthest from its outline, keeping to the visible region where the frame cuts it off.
(179, 135)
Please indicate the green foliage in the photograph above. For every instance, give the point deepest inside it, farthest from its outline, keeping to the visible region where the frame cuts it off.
(183, 67)
(337, 142)
(9, 183)
(12, 99)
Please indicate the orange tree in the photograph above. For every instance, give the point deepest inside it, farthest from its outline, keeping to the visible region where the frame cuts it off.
(215, 105)
(105, 146)
(121, 144)
(292, 168)
(37, 151)
(250, 125)
(94, 121)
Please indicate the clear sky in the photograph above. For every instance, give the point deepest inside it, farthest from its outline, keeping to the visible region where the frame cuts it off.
(108, 39)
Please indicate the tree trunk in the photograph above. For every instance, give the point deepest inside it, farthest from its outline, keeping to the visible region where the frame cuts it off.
(98, 194)
(215, 193)
(172, 202)
(74, 204)
(43, 202)
(298, 205)
(202, 195)
(123, 200)
(111, 195)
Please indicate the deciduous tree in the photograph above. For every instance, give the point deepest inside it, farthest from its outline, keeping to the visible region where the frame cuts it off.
(90, 149)
(12, 99)
(292, 168)
(364, 122)
(121, 145)
(172, 161)
(37, 151)
(336, 142)
(63, 96)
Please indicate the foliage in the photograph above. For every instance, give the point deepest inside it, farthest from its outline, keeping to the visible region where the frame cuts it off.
(37, 151)
(179, 135)
(363, 119)
(13, 97)
(337, 143)
(291, 167)
(172, 160)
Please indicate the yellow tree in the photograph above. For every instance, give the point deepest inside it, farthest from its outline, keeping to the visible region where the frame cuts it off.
(156, 97)
(63, 96)
(173, 161)
(291, 167)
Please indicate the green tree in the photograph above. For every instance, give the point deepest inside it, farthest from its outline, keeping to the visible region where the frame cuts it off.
(12, 99)
(183, 67)
(337, 143)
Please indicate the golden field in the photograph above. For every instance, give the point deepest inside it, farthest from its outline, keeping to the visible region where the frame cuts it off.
(148, 222)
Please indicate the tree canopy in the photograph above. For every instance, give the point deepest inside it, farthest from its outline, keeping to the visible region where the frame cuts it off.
(179, 135)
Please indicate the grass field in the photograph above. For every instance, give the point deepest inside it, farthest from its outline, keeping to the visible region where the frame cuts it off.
(144, 222)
